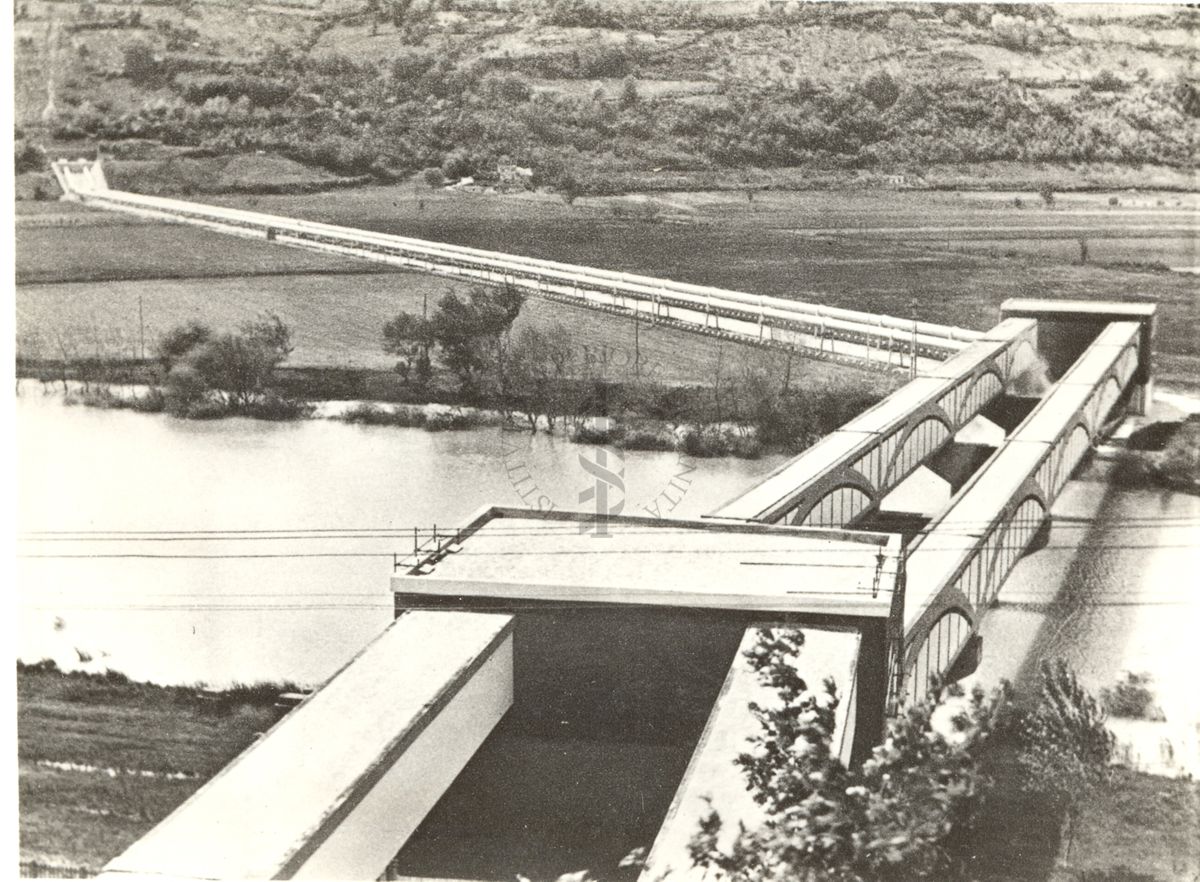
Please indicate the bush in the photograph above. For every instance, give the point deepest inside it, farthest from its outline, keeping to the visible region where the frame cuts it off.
(276, 408)
(644, 438)
(599, 434)
(29, 158)
(1131, 698)
(368, 414)
(140, 65)
(895, 818)
(449, 421)
(1107, 81)
(880, 89)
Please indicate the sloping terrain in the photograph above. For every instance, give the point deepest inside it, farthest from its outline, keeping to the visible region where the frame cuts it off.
(597, 97)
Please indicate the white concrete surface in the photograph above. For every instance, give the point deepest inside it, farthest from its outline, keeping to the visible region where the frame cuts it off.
(338, 785)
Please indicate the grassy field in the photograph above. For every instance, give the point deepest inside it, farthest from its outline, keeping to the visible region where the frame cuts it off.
(1140, 829)
(337, 306)
(85, 816)
(337, 321)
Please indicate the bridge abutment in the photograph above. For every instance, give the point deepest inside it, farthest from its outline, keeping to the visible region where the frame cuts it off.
(1067, 327)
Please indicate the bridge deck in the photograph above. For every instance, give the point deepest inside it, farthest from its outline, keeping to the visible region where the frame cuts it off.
(514, 554)
(883, 342)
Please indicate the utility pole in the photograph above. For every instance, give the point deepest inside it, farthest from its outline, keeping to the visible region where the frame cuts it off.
(912, 356)
(141, 328)
(637, 346)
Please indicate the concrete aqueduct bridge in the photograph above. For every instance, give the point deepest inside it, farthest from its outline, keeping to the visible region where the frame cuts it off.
(548, 694)
(558, 689)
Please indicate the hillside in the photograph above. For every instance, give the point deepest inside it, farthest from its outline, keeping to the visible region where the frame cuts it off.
(605, 97)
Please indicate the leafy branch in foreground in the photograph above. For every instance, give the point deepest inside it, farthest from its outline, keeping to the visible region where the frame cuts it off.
(898, 816)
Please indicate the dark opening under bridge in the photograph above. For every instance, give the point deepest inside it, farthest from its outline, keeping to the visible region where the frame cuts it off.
(513, 630)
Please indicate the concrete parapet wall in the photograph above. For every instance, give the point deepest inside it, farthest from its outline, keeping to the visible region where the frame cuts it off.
(339, 784)
(957, 564)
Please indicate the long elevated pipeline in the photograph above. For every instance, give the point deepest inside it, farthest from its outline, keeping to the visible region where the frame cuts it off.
(877, 341)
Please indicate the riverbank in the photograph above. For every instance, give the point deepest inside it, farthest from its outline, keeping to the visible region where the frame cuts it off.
(102, 758)
(1108, 593)
(694, 421)
(89, 788)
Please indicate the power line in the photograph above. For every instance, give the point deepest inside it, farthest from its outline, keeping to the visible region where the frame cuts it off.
(549, 528)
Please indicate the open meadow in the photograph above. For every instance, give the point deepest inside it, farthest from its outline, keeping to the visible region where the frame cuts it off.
(102, 760)
(862, 251)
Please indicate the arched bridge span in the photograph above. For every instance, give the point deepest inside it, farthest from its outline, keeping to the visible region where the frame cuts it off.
(957, 564)
(848, 472)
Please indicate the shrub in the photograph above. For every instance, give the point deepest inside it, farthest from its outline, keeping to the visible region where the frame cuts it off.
(276, 408)
(368, 414)
(596, 433)
(1064, 745)
(1131, 698)
(433, 177)
(140, 64)
(456, 420)
(644, 438)
(1107, 81)
(880, 89)
(29, 158)
(895, 818)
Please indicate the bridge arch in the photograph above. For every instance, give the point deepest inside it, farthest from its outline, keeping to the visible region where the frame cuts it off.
(923, 436)
(986, 386)
(836, 508)
(1104, 400)
(934, 655)
(1069, 451)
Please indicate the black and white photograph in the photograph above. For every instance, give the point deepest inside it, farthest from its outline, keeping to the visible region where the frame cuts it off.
(605, 440)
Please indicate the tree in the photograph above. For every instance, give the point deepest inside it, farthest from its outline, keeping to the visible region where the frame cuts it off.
(1047, 193)
(629, 92)
(539, 374)
(433, 177)
(466, 331)
(880, 89)
(179, 341)
(410, 336)
(238, 367)
(895, 818)
(140, 65)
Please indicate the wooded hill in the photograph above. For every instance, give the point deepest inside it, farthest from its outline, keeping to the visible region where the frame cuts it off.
(601, 96)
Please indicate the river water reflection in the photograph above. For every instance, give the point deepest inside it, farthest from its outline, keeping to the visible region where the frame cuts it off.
(240, 550)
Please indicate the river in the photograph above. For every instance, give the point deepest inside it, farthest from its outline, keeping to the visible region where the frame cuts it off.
(1113, 592)
(238, 550)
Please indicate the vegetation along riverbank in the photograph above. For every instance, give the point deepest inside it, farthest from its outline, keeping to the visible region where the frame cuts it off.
(463, 365)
